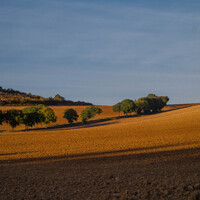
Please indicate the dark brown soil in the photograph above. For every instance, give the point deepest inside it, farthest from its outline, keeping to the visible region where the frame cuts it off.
(162, 175)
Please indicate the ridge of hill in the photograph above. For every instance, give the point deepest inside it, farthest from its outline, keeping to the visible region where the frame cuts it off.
(14, 97)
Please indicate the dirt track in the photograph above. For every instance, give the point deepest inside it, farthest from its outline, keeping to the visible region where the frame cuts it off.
(162, 175)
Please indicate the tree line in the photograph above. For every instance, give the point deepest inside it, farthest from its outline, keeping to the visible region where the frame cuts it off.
(43, 115)
(29, 116)
(88, 113)
(15, 97)
(144, 105)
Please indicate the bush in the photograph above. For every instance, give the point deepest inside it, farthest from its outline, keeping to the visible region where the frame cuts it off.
(71, 115)
(90, 112)
(127, 106)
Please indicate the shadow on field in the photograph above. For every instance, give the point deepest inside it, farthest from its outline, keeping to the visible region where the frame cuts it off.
(78, 125)
(8, 154)
(131, 153)
(178, 107)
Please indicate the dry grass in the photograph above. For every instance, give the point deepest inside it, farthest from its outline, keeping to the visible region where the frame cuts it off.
(175, 129)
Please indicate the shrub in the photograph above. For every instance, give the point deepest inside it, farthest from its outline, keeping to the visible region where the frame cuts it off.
(90, 112)
(71, 115)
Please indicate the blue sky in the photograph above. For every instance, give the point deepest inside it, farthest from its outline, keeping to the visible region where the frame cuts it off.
(101, 51)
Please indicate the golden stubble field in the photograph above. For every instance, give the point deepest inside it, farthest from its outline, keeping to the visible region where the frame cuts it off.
(174, 129)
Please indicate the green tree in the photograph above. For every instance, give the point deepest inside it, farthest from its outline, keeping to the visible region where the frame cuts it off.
(117, 107)
(162, 102)
(127, 106)
(153, 103)
(141, 106)
(1, 117)
(151, 95)
(13, 117)
(46, 114)
(90, 112)
(31, 116)
(165, 99)
(71, 115)
(58, 98)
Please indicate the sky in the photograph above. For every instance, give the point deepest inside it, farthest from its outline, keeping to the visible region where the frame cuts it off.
(101, 51)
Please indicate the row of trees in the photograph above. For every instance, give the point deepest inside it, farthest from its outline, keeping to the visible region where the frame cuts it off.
(43, 115)
(146, 105)
(15, 97)
(29, 116)
(88, 113)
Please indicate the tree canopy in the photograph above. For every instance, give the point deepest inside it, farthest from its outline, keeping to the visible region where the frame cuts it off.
(13, 117)
(31, 116)
(58, 98)
(149, 104)
(90, 112)
(71, 115)
(127, 106)
(47, 115)
(117, 107)
(1, 117)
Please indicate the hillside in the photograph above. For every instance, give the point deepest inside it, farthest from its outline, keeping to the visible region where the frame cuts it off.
(15, 97)
(173, 129)
(138, 157)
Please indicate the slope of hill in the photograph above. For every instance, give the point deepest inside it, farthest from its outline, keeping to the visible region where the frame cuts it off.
(167, 130)
(15, 97)
(146, 157)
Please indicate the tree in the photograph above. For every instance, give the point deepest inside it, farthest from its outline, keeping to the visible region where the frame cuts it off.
(13, 117)
(31, 116)
(117, 107)
(152, 103)
(141, 106)
(58, 98)
(165, 99)
(90, 112)
(46, 114)
(71, 115)
(127, 106)
(151, 95)
(1, 117)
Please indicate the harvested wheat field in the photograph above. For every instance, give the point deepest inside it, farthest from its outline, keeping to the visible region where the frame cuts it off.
(138, 157)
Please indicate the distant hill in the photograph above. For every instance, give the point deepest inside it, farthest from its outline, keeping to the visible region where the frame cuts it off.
(15, 97)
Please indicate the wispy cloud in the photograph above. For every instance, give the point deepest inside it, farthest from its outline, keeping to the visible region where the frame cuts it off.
(91, 45)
